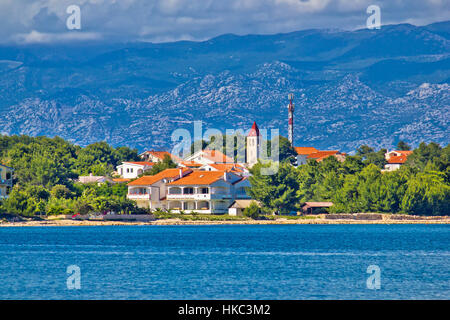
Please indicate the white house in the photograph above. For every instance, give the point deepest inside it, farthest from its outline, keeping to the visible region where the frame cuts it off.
(150, 191)
(207, 156)
(131, 170)
(395, 159)
(238, 206)
(208, 192)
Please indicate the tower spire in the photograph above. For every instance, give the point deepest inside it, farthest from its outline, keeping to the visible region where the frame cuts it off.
(291, 118)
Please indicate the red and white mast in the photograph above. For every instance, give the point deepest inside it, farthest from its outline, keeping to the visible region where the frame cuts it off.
(291, 119)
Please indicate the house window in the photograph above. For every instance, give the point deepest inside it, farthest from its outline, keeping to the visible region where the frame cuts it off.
(204, 190)
(188, 191)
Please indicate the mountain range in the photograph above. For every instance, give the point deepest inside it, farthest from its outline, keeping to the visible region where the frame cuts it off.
(357, 87)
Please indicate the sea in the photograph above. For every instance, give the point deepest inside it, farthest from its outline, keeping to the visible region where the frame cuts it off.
(289, 262)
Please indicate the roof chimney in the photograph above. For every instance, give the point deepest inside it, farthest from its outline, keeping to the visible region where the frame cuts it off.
(180, 172)
(225, 176)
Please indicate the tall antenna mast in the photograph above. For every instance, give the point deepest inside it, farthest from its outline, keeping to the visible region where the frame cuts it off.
(291, 118)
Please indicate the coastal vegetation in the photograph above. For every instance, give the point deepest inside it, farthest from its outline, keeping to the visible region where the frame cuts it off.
(420, 187)
(45, 173)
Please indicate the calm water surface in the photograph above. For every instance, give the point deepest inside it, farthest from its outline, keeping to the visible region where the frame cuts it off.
(226, 262)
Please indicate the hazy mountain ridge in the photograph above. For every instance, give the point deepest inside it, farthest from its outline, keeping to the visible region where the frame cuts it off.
(345, 94)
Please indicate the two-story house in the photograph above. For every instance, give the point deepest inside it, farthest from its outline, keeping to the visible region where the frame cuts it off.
(6, 180)
(395, 159)
(207, 192)
(150, 191)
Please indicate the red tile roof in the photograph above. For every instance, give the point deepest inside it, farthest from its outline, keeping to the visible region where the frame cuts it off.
(166, 174)
(199, 178)
(321, 154)
(142, 163)
(120, 180)
(397, 159)
(305, 150)
(190, 164)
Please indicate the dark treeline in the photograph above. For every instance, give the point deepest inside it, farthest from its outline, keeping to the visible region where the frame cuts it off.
(420, 187)
(45, 170)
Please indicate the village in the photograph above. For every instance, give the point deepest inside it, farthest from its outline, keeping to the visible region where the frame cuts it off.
(207, 181)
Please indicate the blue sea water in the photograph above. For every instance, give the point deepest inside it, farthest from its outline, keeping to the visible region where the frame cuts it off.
(226, 262)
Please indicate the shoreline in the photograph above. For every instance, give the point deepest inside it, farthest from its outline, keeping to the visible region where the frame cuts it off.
(386, 219)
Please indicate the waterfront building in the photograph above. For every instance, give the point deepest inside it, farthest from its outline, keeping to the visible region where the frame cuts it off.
(208, 192)
(150, 191)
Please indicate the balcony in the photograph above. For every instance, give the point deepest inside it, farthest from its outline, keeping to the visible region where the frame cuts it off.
(139, 193)
(197, 193)
(135, 196)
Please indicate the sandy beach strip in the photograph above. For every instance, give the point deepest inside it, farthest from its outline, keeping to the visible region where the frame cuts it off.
(386, 219)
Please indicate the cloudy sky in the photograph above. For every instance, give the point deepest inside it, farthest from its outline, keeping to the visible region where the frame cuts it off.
(28, 21)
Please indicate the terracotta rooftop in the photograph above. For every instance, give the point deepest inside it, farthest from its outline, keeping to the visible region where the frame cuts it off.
(321, 154)
(305, 150)
(166, 174)
(397, 159)
(199, 178)
(120, 180)
(190, 163)
(142, 163)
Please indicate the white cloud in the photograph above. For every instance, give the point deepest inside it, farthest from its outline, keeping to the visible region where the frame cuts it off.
(156, 20)
(39, 37)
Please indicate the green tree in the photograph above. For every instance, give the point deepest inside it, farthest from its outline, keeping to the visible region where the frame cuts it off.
(252, 211)
(277, 191)
(61, 191)
(403, 146)
(424, 154)
(427, 194)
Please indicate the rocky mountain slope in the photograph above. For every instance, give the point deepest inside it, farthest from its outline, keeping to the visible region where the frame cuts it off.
(365, 86)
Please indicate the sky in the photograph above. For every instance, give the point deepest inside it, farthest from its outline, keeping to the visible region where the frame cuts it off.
(44, 21)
